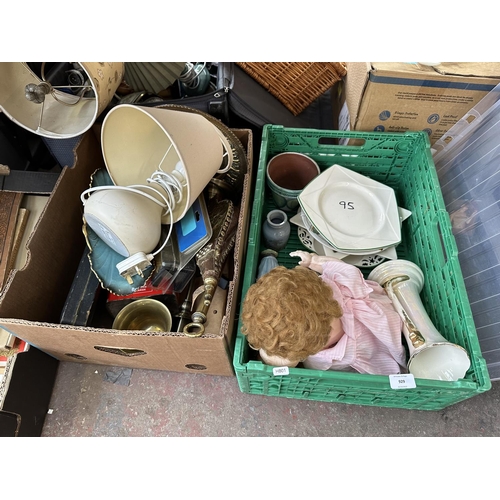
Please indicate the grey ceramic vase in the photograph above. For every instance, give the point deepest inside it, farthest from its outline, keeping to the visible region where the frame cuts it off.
(276, 230)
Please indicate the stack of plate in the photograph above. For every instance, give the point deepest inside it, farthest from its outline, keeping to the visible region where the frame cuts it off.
(347, 215)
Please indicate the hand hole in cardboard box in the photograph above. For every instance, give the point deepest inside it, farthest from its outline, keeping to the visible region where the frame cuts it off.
(121, 351)
(194, 366)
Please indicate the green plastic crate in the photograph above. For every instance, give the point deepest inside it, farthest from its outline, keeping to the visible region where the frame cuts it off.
(404, 162)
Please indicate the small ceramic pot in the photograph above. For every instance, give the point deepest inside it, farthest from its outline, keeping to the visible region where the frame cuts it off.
(287, 174)
(276, 230)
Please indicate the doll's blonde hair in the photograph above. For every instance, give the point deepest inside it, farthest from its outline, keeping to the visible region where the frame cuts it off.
(288, 313)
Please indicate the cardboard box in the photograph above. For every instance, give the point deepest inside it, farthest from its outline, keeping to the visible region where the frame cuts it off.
(396, 97)
(34, 296)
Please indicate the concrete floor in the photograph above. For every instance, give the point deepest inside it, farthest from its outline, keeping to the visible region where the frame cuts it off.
(95, 400)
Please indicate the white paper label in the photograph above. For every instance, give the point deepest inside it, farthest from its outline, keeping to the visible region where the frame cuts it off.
(280, 370)
(402, 381)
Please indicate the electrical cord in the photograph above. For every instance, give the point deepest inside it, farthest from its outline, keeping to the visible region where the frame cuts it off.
(170, 182)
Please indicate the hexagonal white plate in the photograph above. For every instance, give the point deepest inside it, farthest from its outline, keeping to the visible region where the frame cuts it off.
(351, 211)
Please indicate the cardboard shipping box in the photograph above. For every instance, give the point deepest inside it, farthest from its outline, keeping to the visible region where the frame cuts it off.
(397, 97)
(34, 296)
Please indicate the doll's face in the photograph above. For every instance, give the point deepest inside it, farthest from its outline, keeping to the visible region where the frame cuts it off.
(289, 313)
(276, 360)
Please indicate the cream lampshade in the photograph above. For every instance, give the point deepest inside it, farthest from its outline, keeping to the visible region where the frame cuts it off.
(57, 112)
(141, 143)
(126, 221)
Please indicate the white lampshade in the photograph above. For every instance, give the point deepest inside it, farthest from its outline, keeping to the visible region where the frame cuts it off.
(61, 115)
(137, 140)
(127, 222)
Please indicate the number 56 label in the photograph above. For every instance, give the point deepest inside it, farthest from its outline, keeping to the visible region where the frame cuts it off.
(402, 381)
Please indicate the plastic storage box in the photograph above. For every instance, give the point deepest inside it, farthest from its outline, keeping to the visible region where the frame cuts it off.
(404, 162)
(467, 163)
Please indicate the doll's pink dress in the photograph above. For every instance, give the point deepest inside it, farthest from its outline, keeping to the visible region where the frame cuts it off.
(372, 341)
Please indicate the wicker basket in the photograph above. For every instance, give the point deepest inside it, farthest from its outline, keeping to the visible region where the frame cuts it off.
(295, 84)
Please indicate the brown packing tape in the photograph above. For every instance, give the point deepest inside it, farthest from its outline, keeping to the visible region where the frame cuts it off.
(450, 69)
(480, 69)
(419, 68)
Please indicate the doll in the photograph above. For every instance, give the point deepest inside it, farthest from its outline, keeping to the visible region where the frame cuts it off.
(325, 315)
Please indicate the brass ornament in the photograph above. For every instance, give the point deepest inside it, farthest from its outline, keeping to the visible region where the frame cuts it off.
(211, 258)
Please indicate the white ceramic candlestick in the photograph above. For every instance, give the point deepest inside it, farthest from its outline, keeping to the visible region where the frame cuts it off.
(431, 355)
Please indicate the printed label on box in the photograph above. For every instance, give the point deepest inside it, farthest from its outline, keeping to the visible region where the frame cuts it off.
(280, 370)
(402, 381)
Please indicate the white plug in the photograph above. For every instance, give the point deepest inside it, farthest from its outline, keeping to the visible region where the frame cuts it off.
(133, 265)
